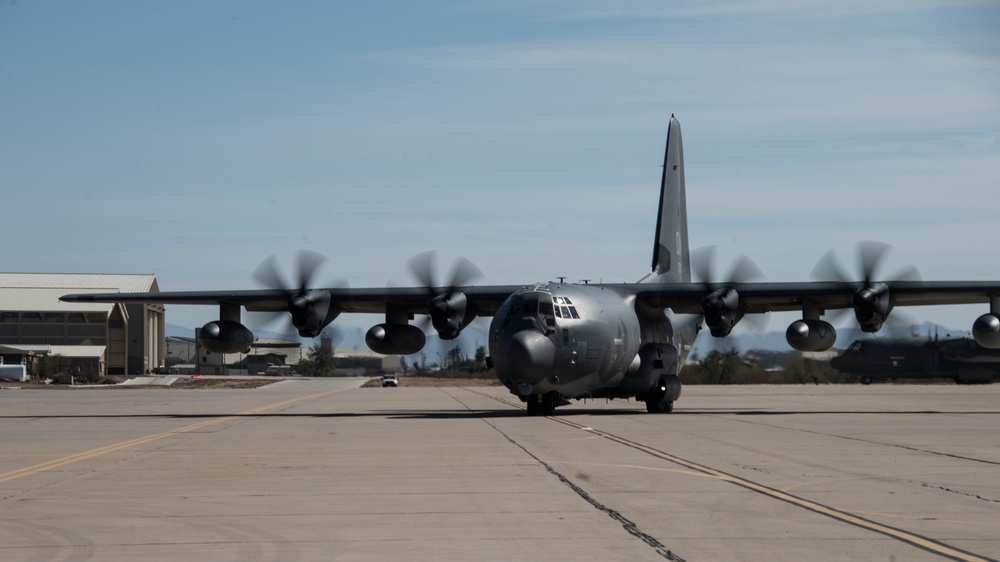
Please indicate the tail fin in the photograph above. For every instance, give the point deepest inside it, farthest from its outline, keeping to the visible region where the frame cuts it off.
(671, 255)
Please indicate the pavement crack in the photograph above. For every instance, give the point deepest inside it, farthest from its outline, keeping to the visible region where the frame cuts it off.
(960, 493)
(630, 526)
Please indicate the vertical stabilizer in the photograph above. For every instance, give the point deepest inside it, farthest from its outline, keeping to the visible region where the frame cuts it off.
(671, 256)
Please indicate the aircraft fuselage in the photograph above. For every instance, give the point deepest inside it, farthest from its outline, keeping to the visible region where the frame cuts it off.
(575, 341)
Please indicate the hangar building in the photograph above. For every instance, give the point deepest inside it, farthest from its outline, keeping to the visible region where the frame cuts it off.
(113, 339)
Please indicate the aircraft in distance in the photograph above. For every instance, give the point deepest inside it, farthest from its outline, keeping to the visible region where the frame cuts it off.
(554, 341)
(959, 359)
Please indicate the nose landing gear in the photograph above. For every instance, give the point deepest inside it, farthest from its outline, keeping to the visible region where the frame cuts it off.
(541, 404)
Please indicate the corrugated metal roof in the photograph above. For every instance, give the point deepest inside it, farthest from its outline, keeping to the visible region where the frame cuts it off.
(47, 300)
(64, 350)
(108, 282)
(78, 350)
(34, 347)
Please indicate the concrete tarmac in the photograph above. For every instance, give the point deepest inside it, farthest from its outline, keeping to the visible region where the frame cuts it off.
(321, 470)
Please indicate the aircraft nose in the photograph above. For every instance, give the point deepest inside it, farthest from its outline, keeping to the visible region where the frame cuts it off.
(839, 362)
(530, 354)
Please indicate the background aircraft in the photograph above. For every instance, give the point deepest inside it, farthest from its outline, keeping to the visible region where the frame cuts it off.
(960, 359)
(553, 341)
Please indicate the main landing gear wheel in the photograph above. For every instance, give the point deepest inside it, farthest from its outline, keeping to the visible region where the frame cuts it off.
(658, 406)
(548, 404)
(532, 404)
(866, 380)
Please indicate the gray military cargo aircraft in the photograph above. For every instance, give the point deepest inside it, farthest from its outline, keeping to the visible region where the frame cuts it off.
(553, 341)
(959, 359)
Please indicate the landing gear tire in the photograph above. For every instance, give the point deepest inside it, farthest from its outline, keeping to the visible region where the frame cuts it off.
(542, 404)
(658, 406)
(866, 380)
(532, 404)
(548, 404)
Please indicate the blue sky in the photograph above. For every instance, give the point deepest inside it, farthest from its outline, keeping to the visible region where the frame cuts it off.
(194, 139)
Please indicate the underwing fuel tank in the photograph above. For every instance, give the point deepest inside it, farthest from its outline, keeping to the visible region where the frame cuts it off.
(225, 336)
(395, 339)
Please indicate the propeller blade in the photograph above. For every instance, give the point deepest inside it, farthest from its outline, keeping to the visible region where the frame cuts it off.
(756, 323)
(309, 264)
(829, 268)
(422, 268)
(268, 275)
(464, 273)
(871, 255)
(280, 322)
(908, 273)
(309, 308)
(685, 325)
(446, 306)
(745, 271)
(703, 264)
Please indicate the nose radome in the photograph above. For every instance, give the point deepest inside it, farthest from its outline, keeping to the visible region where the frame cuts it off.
(530, 354)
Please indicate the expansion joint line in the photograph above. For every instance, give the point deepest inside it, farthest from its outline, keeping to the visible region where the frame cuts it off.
(630, 526)
(921, 542)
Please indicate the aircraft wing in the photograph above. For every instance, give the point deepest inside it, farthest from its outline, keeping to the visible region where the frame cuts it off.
(686, 298)
(720, 305)
(682, 298)
(484, 300)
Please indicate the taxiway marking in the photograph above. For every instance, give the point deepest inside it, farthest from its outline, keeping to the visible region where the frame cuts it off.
(77, 457)
(843, 516)
(918, 541)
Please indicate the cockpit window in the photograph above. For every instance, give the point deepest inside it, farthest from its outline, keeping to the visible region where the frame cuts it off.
(529, 305)
(564, 308)
(856, 346)
(524, 306)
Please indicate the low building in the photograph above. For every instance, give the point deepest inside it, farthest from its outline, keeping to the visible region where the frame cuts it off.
(106, 338)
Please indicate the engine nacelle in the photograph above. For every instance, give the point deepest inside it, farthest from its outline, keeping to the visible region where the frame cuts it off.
(811, 335)
(448, 314)
(395, 339)
(311, 312)
(721, 309)
(986, 331)
(225, 336)
(872, 306)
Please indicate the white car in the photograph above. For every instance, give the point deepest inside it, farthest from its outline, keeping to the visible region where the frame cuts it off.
(390, 380)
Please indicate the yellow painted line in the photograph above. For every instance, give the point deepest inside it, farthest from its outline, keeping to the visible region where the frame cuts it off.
(915, 540)
(70, 459)
(824, 481)
(635, 467)
(918, 518)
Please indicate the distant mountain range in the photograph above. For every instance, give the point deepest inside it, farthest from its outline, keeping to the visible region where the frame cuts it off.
(476, 335)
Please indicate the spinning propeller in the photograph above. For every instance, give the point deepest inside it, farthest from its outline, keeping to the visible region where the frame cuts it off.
(872, 303)
(310, 309)
(720, 305)
(447, 307)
